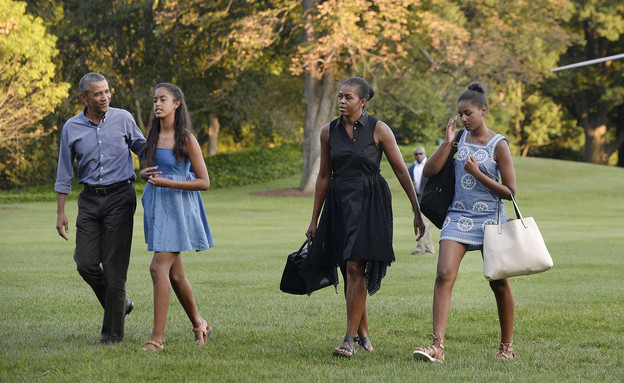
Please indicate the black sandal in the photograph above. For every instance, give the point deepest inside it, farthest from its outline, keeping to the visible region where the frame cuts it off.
(363, 344)
(346, 352)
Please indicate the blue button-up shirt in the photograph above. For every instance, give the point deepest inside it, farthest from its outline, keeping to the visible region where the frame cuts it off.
(102, 151)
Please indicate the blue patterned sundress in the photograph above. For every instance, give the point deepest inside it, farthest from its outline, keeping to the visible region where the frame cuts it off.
(474, 206)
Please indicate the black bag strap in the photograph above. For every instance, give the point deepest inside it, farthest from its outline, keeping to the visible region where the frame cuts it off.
(456, 142)
(308, 241)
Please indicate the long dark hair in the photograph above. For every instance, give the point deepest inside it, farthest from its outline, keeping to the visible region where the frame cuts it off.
(181, 126)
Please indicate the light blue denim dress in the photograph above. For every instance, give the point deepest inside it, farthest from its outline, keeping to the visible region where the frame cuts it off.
(174, 220)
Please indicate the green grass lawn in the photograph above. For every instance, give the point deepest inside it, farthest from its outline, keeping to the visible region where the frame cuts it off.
(569, 321)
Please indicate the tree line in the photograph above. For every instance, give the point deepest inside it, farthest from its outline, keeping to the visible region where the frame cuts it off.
(266, 72)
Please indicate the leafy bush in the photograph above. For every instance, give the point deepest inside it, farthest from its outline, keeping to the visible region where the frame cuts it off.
(252, 166)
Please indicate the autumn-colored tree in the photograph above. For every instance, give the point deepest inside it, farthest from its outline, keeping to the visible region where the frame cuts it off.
(28, 92)
(331, 40)
(378, 40)
(417, 98)
(408, 45)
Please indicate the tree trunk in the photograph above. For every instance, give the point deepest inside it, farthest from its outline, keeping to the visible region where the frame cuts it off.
(595, 139)
(319, 94)
(595, 128)
(597, 149)
(319, 91)
(213, 135)
(139, 117)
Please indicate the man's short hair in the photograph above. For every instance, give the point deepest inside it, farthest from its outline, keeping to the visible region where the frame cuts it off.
(87, 79)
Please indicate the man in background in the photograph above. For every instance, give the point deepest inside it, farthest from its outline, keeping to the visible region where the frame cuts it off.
(425, 245)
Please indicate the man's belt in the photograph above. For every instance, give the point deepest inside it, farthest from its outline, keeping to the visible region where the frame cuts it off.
(105, 189)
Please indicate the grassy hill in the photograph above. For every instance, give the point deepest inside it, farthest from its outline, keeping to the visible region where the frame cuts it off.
(568, 324)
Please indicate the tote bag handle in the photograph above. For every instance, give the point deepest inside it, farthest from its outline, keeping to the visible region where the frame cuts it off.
(518, 214)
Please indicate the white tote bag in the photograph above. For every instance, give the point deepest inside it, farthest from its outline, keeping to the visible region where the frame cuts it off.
(514, 248)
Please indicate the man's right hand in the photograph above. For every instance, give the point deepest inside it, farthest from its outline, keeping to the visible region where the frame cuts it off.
(62, 226)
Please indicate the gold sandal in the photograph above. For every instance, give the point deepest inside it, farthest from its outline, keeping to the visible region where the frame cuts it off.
(152, 345)
(505, 351)
(433, 353)
(205, 329)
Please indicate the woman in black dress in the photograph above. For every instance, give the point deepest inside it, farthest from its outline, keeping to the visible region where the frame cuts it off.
(355, 228)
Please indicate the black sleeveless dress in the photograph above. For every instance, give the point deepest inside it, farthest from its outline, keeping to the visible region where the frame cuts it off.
(356, 222)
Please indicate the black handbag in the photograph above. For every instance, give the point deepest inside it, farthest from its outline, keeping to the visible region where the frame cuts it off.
(439, 190)
(292, 282)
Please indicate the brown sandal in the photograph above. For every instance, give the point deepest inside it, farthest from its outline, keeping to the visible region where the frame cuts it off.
(505, 351)
(205, 329)
(152, 345)
(433, 353)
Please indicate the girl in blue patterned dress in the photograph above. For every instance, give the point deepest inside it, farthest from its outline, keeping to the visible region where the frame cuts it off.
(482, 158)
(174, 216)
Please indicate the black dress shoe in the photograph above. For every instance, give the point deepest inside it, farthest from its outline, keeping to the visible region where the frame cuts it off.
(108, 341)
(128, 306)
(105, 342)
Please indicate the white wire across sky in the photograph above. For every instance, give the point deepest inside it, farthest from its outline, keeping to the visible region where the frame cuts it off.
(588, 62)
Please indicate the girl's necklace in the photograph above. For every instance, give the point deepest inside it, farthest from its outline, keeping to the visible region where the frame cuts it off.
(164, 138)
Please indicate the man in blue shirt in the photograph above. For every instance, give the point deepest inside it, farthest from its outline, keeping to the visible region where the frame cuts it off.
(100, 139)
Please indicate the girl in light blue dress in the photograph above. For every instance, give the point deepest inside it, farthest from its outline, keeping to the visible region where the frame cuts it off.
(174, 215)
(483, 158)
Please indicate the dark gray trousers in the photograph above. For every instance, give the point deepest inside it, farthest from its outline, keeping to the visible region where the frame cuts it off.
(104, 236)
